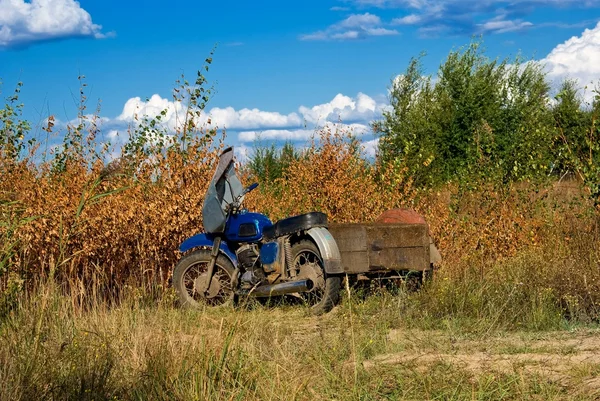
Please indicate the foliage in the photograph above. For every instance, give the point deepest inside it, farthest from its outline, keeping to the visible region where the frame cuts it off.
(479, 117)
(578, 137)
(13, 129)
(476, 134)
(267, 163)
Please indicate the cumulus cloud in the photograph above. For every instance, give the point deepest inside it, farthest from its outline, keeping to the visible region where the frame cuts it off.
(174, 114)
(371, 147)
(344, 108)
(136, 109)
(361, 108)
(355, 26)
(276, 134)
(578, 58)
(251, 118)
(23, 23)
(297, 135)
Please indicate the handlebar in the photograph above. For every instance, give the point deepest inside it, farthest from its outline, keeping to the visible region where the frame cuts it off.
(251, 187)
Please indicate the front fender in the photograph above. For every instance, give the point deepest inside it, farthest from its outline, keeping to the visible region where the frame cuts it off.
(207, 240)
(330, 253)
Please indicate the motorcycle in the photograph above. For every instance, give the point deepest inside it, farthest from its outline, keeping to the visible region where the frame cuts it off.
(243, 254)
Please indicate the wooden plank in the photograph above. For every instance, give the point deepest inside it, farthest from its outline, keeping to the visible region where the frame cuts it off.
(349, 237)
(416, 258)
(396, 235)
(355, 262)
(377, 246)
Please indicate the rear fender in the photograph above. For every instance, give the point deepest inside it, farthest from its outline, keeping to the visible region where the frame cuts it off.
(332, 260)
(206, 241)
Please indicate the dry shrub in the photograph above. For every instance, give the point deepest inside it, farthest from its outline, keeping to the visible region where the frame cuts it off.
(106, 223)
(332, 177)
(131, 235)
(539, 238)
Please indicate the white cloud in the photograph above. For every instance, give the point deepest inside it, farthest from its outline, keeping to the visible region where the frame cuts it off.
(136, 109)
(251, 118)
(276, 134)
(346, 35)
(468, 17)
(355, 26)
(577, 58)
(344, 108)
(242, 153)
(381, 32)
(23, 23)
(301, 134)
(360, 21)
(113, 134)
(361, 108)
(500, 25)
(228, 117)
(407, 20)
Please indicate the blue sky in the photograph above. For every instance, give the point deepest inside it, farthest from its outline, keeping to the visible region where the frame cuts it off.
(280, 68)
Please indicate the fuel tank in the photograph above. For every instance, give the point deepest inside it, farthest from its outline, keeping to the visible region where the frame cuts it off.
(246, 227)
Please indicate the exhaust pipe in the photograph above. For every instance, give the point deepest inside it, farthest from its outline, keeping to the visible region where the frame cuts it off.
(289, 287)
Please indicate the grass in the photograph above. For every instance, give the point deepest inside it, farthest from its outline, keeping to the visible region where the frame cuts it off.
(51, 348)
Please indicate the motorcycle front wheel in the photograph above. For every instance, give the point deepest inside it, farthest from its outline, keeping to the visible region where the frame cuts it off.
(190, 277)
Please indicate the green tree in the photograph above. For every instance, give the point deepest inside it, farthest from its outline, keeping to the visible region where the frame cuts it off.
(478, 117)
(267, 163)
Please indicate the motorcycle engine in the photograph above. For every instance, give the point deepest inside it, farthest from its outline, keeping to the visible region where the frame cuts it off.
(247, 255)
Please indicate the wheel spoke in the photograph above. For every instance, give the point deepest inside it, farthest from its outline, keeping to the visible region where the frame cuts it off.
(310, 260)
(220, 275)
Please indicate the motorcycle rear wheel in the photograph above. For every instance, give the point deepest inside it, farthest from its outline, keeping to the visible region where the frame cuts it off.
(326, 292)
(190, 274)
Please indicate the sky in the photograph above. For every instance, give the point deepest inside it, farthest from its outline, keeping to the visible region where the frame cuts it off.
(280, 69)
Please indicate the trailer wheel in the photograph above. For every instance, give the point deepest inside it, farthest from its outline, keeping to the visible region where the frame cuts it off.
(308, 264)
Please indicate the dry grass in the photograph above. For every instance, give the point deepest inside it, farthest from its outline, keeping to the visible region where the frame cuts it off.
(86, 312)
(50, 349)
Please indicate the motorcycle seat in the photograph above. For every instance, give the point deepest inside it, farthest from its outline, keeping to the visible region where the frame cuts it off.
(295, 224)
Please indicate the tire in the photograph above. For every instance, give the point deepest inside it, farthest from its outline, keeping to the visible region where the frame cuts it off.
(191, 267)
(326, 292)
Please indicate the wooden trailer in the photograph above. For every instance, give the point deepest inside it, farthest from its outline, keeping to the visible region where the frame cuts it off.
(377, 249)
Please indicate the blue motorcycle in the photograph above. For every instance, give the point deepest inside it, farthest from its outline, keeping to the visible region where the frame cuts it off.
(244, 254)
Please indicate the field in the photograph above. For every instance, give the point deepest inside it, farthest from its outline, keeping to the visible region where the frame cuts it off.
(369, 349)
(89, 242)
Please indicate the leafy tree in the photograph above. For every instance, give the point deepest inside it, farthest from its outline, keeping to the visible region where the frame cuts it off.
(269, 163)
(572, 125)
(479, 116)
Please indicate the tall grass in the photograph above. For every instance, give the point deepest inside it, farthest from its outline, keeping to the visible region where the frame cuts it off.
(52, 349)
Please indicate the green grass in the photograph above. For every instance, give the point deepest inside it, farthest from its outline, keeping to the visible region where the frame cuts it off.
(52, 349)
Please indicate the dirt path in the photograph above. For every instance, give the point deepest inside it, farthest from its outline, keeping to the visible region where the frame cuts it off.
(569, 358)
